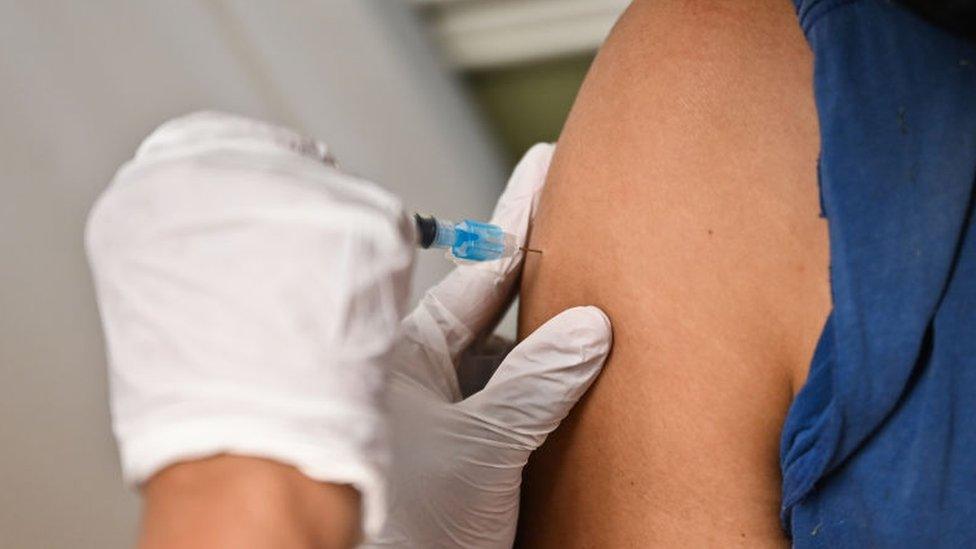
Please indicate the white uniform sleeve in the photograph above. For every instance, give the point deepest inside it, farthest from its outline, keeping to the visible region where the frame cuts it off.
(249, 292)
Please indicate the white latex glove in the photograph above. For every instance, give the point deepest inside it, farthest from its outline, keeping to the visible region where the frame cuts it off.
(249, 292)
(457, 467)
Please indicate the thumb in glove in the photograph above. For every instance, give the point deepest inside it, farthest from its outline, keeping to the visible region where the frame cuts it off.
(457, 467)
(544, 376)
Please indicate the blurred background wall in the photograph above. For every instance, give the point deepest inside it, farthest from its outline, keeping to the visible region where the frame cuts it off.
(433, 99)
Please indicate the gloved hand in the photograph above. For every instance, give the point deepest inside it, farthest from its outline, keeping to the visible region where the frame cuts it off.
(249, 293)
(457, 464)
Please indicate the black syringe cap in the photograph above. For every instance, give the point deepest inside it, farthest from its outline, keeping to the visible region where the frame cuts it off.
(426, 230)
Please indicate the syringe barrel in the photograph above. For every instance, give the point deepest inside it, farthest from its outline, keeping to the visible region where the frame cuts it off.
(446, 234)
(468, 240)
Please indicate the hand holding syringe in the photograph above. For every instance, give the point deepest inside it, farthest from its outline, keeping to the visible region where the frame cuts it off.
(236, 300)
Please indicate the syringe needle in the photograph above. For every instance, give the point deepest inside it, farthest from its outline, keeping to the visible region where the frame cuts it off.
(524, 249)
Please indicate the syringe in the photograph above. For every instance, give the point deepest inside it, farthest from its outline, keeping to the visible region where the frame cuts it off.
(468, 240)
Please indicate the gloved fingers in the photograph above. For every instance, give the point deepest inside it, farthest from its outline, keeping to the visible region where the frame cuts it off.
(543, 377)
(424, 361)
(421, 355)
(521, 195)
(473, 296)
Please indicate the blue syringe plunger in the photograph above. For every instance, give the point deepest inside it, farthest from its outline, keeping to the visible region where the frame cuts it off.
(468, 240)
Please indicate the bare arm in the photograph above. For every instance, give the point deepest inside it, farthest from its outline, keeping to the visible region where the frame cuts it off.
(683, 201)
(247, 503)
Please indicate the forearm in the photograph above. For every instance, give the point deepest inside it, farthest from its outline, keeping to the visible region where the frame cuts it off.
(248, 503)
(221, 254)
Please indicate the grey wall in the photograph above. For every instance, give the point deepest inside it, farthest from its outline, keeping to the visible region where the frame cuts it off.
(80, 84)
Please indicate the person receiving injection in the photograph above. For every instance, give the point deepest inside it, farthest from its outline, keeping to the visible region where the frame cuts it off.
(267, 389)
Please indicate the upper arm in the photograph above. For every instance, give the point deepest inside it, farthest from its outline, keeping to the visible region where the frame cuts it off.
(682, 200)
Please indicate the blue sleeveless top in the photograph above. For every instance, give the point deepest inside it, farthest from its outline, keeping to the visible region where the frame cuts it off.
(879, 447)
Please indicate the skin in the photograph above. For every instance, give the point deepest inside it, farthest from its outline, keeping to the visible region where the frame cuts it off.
(245, 503)
(683, 201)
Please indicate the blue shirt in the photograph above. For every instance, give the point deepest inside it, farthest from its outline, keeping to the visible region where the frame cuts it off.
(879, 447)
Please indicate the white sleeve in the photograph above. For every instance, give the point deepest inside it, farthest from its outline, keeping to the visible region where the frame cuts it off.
(249, 292)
